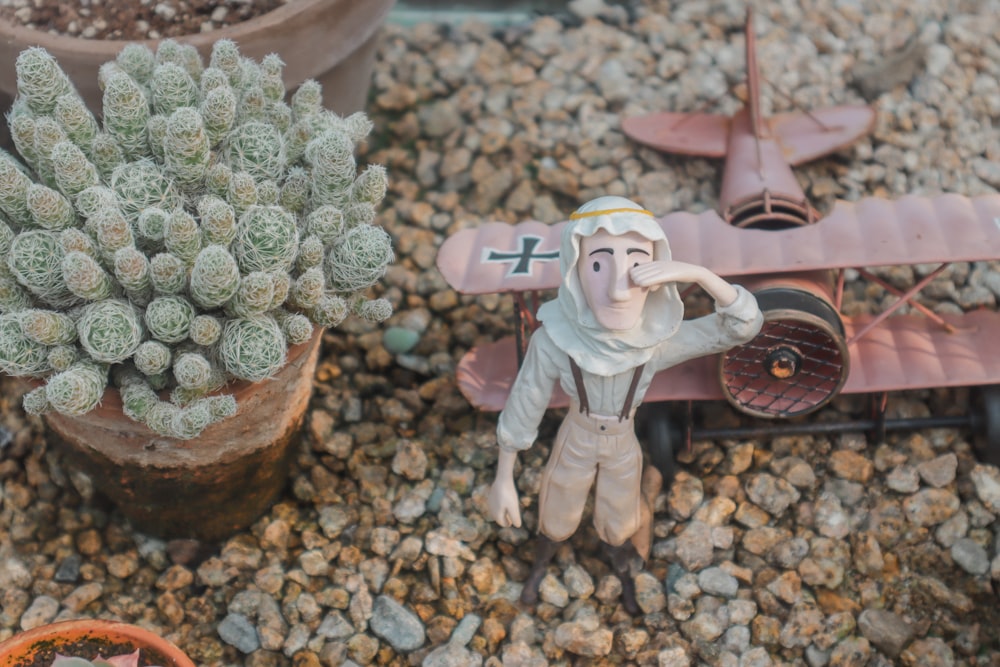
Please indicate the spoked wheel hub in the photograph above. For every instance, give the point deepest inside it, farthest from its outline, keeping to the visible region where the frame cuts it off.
(795, 365)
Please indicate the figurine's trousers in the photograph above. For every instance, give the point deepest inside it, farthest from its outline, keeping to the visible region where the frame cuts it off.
(588, 448)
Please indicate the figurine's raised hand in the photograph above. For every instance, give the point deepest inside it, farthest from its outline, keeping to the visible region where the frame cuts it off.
(654, 274)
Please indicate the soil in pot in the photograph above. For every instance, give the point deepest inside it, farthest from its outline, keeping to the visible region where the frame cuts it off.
(89, 648)
(89, 638)
(133, 20)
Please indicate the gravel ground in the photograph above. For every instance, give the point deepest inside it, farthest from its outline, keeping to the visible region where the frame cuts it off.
(791, 551)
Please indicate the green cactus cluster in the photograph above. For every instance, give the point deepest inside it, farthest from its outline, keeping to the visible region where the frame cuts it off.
(185, 239)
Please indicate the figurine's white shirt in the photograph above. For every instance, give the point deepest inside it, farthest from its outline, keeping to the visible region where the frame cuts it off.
(546, 362)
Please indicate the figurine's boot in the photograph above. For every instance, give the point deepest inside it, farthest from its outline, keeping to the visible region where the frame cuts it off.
(545, 549)
(620, 559)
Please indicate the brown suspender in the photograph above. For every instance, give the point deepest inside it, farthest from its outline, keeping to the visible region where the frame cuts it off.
(630, 396)
(582, 391)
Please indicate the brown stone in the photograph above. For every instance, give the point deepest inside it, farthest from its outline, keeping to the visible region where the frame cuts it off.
(831, 602)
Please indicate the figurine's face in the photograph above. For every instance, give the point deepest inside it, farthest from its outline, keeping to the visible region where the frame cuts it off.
(604, 264)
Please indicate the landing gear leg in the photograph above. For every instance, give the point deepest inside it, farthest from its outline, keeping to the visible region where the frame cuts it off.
(663, 439)
(986, 431)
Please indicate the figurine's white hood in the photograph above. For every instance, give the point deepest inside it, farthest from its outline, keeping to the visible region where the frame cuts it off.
(568, 319)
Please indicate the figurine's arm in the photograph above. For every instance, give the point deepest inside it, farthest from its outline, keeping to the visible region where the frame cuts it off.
(654, 274)
(734, 323)
(730, 325)
(517, 426)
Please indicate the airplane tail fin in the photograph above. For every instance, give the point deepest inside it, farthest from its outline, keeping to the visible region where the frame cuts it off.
(802, 136)
(753, 77)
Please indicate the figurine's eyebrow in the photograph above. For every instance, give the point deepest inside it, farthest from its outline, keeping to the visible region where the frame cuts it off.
(632, 250)
(607, 250)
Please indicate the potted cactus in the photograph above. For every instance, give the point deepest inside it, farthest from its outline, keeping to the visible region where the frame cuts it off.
(83, 642)
(166, 272)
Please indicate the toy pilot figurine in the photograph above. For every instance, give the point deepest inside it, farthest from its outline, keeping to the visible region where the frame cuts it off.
(617, 320)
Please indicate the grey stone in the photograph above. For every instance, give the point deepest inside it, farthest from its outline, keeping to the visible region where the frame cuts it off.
(42, 610)
(939, 471)
(69, 570)
(237, 630)
(986, 479)
(885, 630)
(716, 581)
(396, 624)
(929, 652)
(14, 574)
(452, 655)
(770, 493)
(465, 630)
(970, 556)
(334, 627)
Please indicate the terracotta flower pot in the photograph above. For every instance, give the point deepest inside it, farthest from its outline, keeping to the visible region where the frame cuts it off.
(88, 638)
(332, 41)
(208, 487)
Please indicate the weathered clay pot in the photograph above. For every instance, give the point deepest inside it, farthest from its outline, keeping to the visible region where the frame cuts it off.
(86, 638)
(332, 41)
(208, 487)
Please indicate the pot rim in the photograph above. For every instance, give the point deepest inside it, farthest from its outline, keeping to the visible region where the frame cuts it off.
(312, 37)
(23, 643)
(11, 31)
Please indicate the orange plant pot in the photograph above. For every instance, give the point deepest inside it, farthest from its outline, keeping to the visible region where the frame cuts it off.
(88, 638)
(208, 487)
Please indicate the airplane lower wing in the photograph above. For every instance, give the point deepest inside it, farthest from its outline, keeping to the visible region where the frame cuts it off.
(905, 352)
(808, 136)
(698, 134)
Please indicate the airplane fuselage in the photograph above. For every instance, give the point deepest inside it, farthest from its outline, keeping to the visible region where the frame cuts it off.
(759, 188)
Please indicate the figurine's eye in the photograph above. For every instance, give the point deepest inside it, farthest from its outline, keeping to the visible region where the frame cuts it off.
(635, 265)
(597, 267)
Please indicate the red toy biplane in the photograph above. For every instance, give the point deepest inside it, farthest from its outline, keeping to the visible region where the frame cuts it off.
(769, 238)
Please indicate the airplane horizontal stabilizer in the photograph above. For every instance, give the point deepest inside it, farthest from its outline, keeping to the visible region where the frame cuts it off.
(807, 136)
(697, 134)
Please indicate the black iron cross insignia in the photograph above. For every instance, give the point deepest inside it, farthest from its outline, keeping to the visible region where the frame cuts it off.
(523, 258)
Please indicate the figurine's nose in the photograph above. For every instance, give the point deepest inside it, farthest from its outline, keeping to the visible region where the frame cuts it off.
(620, 288)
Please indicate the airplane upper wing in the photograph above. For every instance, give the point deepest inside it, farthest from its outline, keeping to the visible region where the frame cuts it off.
(683, 133)
(870, 232)
(498, 257)
(807, 136)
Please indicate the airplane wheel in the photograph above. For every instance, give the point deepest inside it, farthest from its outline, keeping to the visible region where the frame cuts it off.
(986, 439)
(663, 438)
(795, 365)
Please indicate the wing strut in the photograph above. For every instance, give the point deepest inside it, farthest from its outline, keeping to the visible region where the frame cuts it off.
(903, 299)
